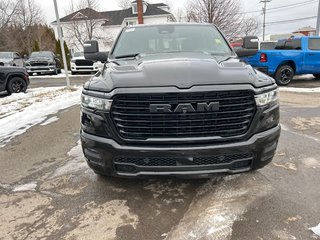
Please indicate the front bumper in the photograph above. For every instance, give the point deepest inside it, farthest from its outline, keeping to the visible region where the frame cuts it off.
(41, 69)
(75, 68)
(107, 157)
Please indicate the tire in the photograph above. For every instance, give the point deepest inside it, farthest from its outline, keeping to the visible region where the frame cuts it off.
(284, 75)
(16, 85)
(59, 70)
(73, 73)
(317, 76)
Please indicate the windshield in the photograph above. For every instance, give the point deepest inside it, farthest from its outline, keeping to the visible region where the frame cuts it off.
(171, 38)
(78, 54)
(41, 54)
(5, 55)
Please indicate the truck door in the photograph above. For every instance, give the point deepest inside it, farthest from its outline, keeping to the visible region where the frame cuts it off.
(312, 56)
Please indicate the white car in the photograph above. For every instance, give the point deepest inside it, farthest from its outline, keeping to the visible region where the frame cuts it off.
(81, 65)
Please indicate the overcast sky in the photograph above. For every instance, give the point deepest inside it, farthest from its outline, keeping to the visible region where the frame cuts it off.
(308, 8)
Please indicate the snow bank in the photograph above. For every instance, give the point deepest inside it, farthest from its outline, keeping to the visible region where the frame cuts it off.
(19, 112)
(300, 90)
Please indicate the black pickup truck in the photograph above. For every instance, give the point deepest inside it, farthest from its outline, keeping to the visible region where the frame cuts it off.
(13, 79)
(175, 100)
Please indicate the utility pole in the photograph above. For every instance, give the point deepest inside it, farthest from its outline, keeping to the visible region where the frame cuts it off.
(264, 9)
(62, 43)
(140, 11)
(318, 21)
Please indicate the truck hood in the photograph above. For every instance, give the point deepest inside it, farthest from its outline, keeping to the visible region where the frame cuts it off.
(6, 60)
(40, 59)
(182, 71)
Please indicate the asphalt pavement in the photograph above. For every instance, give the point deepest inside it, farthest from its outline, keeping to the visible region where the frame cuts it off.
(48, 192)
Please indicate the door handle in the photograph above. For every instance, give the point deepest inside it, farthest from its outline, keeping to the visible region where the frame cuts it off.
(311, 54)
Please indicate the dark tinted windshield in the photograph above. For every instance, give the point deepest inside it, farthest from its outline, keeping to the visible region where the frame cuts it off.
(171, 38)
(5, 55)
(41, 54)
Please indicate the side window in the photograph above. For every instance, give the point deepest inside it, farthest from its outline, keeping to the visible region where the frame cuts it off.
(16, 55)
(314, 44)
(288, 45)
(296, 44)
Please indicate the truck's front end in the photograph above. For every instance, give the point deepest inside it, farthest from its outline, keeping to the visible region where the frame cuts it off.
(177, 102)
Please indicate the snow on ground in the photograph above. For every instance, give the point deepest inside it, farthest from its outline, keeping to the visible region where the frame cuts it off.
(19, 112)
(49, 121)
(300, 90)
(61, 75)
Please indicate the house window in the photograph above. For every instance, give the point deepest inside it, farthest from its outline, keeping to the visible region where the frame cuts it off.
(134, 8)
(131, 23)
(311, 34)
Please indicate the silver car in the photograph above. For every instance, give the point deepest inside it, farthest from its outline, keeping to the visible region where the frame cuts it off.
(11, 59)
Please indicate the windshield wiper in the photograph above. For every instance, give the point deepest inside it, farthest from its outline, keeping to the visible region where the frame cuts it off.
(134, 55)
(228, 58)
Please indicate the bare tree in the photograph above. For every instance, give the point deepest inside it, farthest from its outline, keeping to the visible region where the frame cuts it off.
(223, 13)
(250, 26)
(7, 10)
(28, 15)
(85, 24)
(124, 4)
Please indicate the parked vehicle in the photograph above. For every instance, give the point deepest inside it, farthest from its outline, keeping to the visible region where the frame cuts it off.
(81, 65)
(294, 56)
(175, 100)
(13, 79)
(43, 62)
(11, 59)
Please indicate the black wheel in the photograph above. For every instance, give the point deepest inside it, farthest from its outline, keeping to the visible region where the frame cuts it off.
(59, 70)
(317, 76)
(16, 85)
(73, 73)
(284, 75)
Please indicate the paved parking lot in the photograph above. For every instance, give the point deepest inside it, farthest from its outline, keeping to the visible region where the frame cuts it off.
(48, 192)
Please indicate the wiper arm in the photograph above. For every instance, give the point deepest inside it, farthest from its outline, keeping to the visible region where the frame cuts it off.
(134, 55)
(228, 58)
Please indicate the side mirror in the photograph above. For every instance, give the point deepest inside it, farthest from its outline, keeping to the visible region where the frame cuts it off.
(250, 42)
(242, 52)
(91, 52)
(25, 56)
(249, 48)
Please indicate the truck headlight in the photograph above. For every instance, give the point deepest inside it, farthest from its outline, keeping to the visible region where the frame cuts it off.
(96, 103)
(266, 98)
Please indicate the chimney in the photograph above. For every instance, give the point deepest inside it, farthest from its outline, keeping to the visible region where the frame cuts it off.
(140, 11)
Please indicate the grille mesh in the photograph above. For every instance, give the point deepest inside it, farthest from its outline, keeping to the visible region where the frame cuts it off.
(133, 119)
(84, 63)
(174, 161)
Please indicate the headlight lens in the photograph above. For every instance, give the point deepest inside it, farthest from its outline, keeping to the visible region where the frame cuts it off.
(266, 98)
(96, 103)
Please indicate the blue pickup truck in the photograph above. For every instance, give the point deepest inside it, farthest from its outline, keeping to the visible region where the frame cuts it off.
(293, 56)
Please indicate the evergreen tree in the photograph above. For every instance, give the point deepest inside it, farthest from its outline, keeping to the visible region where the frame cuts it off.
(59, 52)
(36, 47)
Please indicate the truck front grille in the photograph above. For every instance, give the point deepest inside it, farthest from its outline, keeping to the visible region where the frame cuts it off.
(135, 121)
(84, 63)
(36, 64)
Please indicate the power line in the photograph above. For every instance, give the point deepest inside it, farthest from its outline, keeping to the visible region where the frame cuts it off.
(290, 20)
(282, 7)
